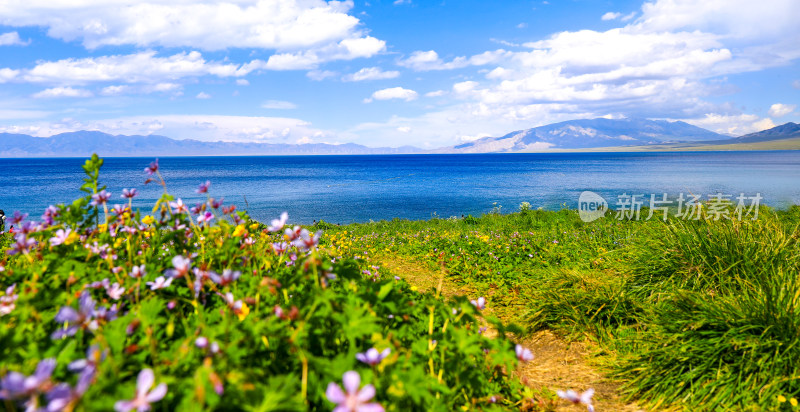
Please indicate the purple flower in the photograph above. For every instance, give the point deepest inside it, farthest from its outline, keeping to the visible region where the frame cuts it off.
(523, 354)
(201, 342)
(100, 198)
(141, 402)
(60, 237)
(16, 386)
(181, 265)
(235, 305)
(18, 217)
(306, 241)
(8, 301)
(277, 224)
(76, 319)
(480, 303)
(152, 168)
(216, 204)
(352, 399)
(584, 398)
(93, 357)
(228, 277)
(129, 194)
(115, 291)
(160, 283)
(22, 244)
(137, 272)
(203, 188)
(280, 248)
(205, 217)
(372, 356)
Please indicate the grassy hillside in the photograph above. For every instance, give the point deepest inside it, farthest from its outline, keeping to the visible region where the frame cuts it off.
(701, 315)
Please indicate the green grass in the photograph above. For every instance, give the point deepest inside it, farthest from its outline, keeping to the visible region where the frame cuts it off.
(700, 315)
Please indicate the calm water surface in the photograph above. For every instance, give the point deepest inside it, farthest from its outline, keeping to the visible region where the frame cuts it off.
(343, 189)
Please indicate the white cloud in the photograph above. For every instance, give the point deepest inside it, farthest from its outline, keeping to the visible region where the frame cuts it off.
(203, 95)
(404, 129)
(522, 25)
(209, 25)
(199, 127)
(12, 39)
(780, 109)
(393, 93)
(370, 73)
(400, 2)
(278, 104)
(429, 60)
(56, 92)
(435, 93)
(114, 90)
(734, 125)
(611, 16)
(320, 75)
(242, 82)
(628, 16)
(347, 49)
(7, 75)
(142, 67)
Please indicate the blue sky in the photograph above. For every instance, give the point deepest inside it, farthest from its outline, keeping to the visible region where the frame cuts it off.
(391, 73)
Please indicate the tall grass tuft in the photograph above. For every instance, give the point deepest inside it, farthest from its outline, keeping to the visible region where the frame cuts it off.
(740, 351)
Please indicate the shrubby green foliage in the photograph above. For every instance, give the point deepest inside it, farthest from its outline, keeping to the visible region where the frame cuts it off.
(211, 311)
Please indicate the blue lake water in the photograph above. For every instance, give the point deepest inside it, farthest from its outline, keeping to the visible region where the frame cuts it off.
(343, 189)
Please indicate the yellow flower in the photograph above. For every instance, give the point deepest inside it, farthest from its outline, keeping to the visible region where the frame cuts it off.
(148, 220)
(239, 231)
(102, 228)
(793, 401)
(781, 398)
(118, 242)
(71, 238)
(254, 226)
(243, 312)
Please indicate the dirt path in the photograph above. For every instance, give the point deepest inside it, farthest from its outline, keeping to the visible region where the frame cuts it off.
(557, 364)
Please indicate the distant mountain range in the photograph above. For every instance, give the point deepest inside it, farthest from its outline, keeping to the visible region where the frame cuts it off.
(84, 143)
(584, 134)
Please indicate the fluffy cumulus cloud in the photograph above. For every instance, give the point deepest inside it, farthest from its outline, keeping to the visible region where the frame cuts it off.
(392, 93)
(12, 39)
(734, 125)
(430, 60)
(208, 25)
(56, 92)
(204, 128)
(780, 109)
(370, 73)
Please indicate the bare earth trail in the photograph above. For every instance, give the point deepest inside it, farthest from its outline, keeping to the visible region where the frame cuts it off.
(557, 364)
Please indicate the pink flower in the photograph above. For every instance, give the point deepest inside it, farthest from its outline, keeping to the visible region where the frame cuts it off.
(205, 217)
(60, 237)
(372, 356)
(480, 303)
(523, 354)
(152, 168)
(115, 291)
(203, 188)
(100, 198)
(178, 207)
(143, 399)
(160, 283)
(128, 194)
(181, 265)
(277, 224)
(353, 400)
(584, 398)
(137, 272)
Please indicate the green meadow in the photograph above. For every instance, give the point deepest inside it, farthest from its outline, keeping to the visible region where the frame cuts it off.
(682, 314)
